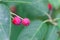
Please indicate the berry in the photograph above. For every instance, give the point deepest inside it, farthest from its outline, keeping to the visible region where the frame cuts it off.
(13, 9)
(16, 20)
(49, 6)
(25, 22)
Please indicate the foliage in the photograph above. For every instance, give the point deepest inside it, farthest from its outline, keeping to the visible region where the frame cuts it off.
(41, 28)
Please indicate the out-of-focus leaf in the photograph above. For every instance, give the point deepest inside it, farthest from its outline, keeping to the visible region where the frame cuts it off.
(5, 24)
(15, 31)
(34, 9)
(59, 39)
(52, 33)
(58, 20)
(30, 8)
(55, 3)
(36, 31)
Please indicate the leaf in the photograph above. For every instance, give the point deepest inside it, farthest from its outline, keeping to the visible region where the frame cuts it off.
(58, 20)
(4, 22)
(52, 33)
(30, 8)
(36, 31)
(34, 9)
(55, 3)
(59, 39)
(15, 31)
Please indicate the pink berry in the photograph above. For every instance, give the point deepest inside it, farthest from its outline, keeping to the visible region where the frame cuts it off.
(49, 6)
(13, 9)
(16, 20)
(26, 22)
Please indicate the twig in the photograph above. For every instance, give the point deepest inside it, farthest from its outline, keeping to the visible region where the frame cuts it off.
(16, 15)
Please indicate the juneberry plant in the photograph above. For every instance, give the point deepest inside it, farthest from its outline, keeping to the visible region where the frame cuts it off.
(30, 20)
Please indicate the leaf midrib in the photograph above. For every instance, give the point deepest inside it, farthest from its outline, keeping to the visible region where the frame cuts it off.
(38, 30)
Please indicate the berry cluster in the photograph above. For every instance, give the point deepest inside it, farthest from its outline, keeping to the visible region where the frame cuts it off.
(17, 20)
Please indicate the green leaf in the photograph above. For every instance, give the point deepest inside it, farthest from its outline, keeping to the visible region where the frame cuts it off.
(59, 24)
(34, 9)
(55, 3)
(30, 8)
(4, 22)
(36, 31)
(15, 31)
(58, 20)
(59, 39)
(52, 33)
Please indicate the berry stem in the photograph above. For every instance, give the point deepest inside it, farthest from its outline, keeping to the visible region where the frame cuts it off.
(50, 19)
(56, 19)
(49, 16)
(50, 12)
(54, 23)
(11, 17)
(16, 15)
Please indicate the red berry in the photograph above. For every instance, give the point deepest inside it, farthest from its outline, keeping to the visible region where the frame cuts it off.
(49, 6)
(26, 22)
(16, 20)
(13, 9)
